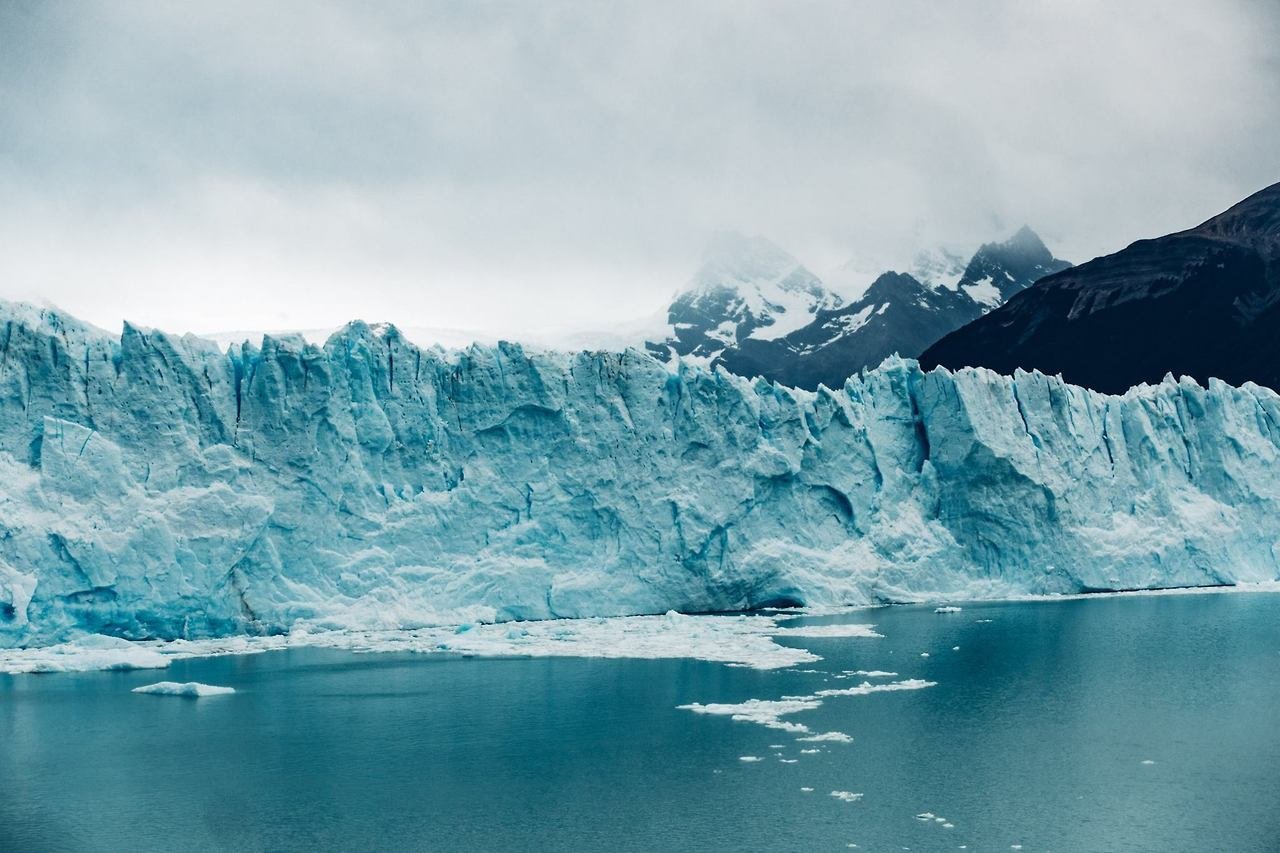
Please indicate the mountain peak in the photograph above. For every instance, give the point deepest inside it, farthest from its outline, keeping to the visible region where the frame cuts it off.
(751, 264)
(1027, 240)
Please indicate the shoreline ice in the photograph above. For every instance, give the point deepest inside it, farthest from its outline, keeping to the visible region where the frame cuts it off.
(735, 640)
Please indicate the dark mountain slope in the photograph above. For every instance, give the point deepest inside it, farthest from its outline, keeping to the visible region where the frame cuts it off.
(1203, 303)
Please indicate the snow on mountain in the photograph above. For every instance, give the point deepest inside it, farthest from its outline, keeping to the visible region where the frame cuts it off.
(155, 486)
(810, 338)
(746, 288)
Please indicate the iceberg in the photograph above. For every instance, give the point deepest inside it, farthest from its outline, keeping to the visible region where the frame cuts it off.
(156, 487)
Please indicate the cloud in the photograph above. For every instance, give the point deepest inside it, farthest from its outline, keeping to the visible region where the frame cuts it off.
(499, 164)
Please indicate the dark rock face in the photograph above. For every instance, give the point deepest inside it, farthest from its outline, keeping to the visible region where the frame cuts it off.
(1202, 303)
(897, 314)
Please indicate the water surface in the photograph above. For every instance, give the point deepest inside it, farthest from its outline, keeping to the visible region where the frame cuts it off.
(1035, 734)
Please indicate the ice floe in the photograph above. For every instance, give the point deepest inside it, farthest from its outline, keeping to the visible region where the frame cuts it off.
(189, 688)
(867, 687)
(828, 737)
(946, 609)
(846, 796)
(851, 630)
(764, 712)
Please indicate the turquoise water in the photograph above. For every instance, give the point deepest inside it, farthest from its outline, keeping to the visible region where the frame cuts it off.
(1035, 734)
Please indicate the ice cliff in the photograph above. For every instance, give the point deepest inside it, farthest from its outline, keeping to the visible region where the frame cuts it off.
(153, 486)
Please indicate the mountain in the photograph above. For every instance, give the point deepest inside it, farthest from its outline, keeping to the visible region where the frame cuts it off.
(747, 288)
(153, 486)
(899, 313)
(1202, 303)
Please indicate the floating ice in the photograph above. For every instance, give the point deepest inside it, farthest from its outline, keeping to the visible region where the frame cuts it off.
(946, 609)
(846, 796)
(830, 737)
(741, 640)
(750, 758)
(807, 790)
(810, 751)
(1148, 761)
(91, 652)
(764, 712)
(867, 687)
(850, 630)
(789, 760)
(190, 688)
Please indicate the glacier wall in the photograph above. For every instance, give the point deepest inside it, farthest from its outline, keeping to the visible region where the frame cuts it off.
(153, 486)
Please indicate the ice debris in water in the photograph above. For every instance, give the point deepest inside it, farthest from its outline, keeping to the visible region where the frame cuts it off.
(741, 640)
(807, 790)
(851, 630)
(750, 758)
(867, 687)
(946, 609)
(189, 688)
(764, 712)
(846, 796)
(94, 651)
(828, 737)
(370, 485)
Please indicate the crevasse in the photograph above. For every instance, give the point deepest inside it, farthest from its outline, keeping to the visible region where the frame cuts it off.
(154, 487)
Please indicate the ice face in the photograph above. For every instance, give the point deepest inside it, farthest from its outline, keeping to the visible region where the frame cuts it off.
(152, 486)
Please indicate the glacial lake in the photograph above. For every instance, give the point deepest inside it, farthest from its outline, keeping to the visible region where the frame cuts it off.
(1122, 723)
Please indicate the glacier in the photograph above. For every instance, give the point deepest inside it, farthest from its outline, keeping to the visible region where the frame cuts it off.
(154, 486)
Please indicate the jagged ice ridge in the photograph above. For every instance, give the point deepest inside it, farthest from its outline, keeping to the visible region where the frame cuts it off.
(152, 486)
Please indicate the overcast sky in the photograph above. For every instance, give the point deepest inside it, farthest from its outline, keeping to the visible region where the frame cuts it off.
(491, 166)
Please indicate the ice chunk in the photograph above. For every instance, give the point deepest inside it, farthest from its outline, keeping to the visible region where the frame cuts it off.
(90, 652)
(867, 687)
(946, 609)
(189, 688)
(838, 630)
(764, 712)
(846, 796)
(750, 758)
(830, 737)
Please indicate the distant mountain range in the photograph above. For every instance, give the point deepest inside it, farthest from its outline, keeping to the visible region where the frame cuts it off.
(756, 310)
(1202, 303)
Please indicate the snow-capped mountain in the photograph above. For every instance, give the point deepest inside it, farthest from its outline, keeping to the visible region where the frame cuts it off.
(746, 289)
(1203, 303)
(757, 311)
